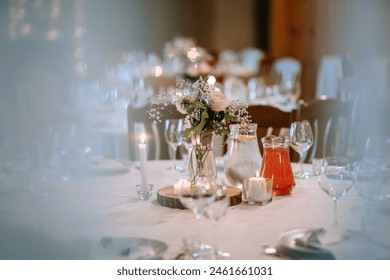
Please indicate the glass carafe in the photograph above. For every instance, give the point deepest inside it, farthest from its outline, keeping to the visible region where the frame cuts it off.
(276, 164)
(243, 158)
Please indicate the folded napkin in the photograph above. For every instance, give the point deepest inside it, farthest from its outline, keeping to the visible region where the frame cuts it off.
(352, 245)
(302, 243)
(317, 238)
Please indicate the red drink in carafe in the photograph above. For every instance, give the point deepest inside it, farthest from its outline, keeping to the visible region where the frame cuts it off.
(276, 163)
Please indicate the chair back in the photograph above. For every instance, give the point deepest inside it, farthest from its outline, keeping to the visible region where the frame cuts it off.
(270, 120)
(251, 58)
(328, 119)
(328, 77)
(139, 121)
(289, 69)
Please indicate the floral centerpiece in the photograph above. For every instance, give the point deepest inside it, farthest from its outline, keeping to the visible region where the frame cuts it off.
(206, 110)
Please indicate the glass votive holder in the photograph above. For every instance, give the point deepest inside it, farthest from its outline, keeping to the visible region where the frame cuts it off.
(319, 166)
(192, 247)
(144, 191)
(257, 190)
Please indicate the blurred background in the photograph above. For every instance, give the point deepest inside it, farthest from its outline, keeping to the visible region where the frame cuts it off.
(52, 50)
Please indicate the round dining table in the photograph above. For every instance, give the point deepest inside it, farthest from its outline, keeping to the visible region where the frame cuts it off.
(57, 217)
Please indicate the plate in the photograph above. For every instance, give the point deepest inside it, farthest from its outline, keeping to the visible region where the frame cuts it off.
(287, 245)
(133, 248)
(105, 166)
(383, 206)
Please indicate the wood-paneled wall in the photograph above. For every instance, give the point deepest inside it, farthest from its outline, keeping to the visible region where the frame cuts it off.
(292, 34)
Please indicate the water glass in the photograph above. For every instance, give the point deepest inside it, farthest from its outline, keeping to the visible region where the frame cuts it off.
(319, 166)
(144, 192)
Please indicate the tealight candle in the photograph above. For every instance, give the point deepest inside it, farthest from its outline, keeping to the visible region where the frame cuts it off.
(255, 188)
(258, 190)
(181, 185)
(142, 158)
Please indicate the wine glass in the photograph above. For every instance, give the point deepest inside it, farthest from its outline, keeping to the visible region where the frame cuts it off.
(301, 139)
(215, 212)
(186, 141)
(371, 178)
(197, 197)
(335, 182)
(377, 148)
(172, 131)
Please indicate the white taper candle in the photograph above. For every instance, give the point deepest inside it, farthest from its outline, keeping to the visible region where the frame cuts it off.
(142, 158)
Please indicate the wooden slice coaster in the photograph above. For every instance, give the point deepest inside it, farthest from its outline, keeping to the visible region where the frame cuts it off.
(167, 198)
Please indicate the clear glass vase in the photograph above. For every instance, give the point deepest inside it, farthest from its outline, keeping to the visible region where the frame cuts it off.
(202, 159)
(243, 158)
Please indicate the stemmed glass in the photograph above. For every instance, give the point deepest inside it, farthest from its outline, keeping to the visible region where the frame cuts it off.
(186, 141)
(335, 182)
(172, 131)
(301, 139)
(377, 148)
(371, 177)
(197, 197)
(215, 212)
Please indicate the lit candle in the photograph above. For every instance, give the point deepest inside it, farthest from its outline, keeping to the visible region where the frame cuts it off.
(158, 71)
(181, 185)
(211, 80)
(142, 158)
(257, 189)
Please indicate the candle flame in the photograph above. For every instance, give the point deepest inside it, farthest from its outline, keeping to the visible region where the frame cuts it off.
(142, 138)
(258, 173)
(158, 71)
(211, 80)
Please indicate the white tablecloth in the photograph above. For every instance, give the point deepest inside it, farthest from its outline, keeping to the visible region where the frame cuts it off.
(64, 219)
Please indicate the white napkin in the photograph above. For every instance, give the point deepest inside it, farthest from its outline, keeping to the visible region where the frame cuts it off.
(355, 245)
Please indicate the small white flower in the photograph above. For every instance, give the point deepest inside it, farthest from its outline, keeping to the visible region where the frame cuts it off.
(218, 101)
(180, 107)
(192, 54)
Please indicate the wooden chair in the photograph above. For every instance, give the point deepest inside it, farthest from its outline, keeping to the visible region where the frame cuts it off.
(289, 68)
(270, 120)
(328, 119)
(139, 121)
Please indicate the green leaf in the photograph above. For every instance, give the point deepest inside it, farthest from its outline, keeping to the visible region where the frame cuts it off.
(205, 115)
(194, 106)
(202, 124)
(230, 117)
(186, 132)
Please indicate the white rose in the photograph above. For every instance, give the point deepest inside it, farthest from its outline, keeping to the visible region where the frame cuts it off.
(218, 101)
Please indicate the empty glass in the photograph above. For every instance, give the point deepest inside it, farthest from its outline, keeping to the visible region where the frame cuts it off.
(301, 139)
(371, 181)
(186, 141)
(215, 212)
(335, 182)
(318, 165)
(197, 197)
(172, 131)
